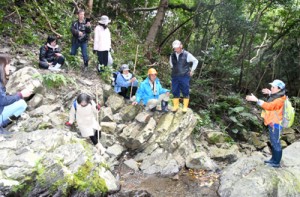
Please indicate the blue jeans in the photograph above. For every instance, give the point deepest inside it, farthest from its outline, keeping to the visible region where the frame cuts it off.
(274, 133)
(15, 109)
(181, 84)
(84, 50)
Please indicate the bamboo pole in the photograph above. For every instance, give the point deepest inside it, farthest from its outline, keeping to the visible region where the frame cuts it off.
(136, 54)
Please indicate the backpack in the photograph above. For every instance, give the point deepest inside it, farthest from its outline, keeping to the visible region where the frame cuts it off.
(114, 78)
(288, 114)
(75, 107)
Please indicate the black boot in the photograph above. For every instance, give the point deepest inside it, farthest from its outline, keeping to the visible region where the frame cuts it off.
(153, 109)
(277, 159)
(85, 67)
(164, 106)
(4, 132)
(272, 158)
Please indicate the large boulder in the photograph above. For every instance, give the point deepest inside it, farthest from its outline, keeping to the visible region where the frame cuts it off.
(250, 177)
(51, 162)
(26, 77)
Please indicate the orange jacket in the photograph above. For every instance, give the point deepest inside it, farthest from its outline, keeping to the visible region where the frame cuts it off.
(273, 111)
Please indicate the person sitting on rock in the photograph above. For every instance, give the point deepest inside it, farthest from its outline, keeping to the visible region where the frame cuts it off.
(151, 93)
(126, 83)
(11, 106)
(84, 111)
(50, 56)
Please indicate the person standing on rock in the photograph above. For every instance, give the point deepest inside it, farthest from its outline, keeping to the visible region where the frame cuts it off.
(11, 106)
(84, 111)
(180, 61)
(80, 30)
(151, 93)
(273, 114)
(102, 42)
(125, 81)
(50, 56)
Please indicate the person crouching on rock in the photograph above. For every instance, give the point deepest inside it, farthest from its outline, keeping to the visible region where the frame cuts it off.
(152, 93)
(50, 56)
(273, 114)
(84, 111)
(11, 106)
(126, 83)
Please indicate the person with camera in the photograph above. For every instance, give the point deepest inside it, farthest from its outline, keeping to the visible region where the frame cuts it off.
(80, 30)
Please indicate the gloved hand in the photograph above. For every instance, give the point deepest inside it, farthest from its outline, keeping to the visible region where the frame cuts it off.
(98, 106)
(68, 124)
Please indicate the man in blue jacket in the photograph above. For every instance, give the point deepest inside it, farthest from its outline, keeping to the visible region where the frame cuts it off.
(151, 93)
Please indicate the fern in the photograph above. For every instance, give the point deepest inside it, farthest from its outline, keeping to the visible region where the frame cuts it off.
(54, 80)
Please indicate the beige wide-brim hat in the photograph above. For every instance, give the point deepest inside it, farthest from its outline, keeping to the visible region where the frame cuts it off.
(104, 20)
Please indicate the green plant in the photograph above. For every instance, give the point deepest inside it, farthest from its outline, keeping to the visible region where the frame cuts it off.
(54, 80)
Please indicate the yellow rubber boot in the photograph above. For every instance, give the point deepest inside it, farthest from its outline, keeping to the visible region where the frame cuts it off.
(185, 104)
(175, 104)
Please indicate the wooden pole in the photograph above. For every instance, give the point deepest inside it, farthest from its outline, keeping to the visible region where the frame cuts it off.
(136, 54)
(97, 113)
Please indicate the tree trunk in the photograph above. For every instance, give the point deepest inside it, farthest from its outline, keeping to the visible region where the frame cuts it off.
(90, 8)
(159, 19)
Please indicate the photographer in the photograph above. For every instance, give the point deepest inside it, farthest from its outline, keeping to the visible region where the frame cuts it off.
(80, 30)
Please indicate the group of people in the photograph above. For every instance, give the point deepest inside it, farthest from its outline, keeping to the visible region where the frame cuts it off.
(50, 53)
(149, 93)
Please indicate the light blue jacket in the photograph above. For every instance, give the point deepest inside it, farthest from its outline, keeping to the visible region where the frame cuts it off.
(145, 92)
(122, 82)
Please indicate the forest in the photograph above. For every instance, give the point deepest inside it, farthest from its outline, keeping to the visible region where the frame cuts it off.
(241, 45)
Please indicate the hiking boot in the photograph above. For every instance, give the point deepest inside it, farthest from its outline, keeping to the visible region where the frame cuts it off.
(4, 132)
(269, 161)
(274, 165)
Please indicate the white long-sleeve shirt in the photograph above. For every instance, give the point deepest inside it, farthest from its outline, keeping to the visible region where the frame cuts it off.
(102, 39)
(190, 58)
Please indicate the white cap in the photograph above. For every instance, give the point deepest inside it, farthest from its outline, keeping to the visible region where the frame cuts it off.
(104, 20)
(176, 44)
(278, 83)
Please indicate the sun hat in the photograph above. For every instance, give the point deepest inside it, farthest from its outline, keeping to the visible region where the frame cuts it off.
(104, 20)
(124, 67)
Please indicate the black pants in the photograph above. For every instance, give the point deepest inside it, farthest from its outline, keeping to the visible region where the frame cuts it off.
(125, 90)
(102, 57)
(94, 138)
(59, 59)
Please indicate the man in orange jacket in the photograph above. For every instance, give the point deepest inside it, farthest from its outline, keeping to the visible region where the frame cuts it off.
(273, 114)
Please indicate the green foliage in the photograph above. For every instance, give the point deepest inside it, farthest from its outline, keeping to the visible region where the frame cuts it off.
(232, 114)
(54, 80)
(87, 178)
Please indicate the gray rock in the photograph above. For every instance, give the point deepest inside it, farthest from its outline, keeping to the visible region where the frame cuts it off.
(200, 160)
(216, 137)
(108, 127)
(143, 117)
(45, 110)
(132, 164)
(115, 102)
(35, 102)
(25, 78)
(129, 112)
(230, 155)
(247, 173)
(106, 114)
(115, 150)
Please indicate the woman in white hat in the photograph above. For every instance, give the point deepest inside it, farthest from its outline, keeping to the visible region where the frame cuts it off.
(102, 42)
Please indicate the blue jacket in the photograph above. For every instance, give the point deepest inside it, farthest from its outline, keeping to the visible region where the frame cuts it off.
(122, 82)
(7, 99)
(145, 92)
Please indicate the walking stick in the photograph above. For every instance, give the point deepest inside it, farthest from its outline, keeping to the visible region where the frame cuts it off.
(97, 116)
(136, 54)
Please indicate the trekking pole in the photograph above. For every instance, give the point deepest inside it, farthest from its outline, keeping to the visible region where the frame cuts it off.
(97, 116)
(136, 54)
